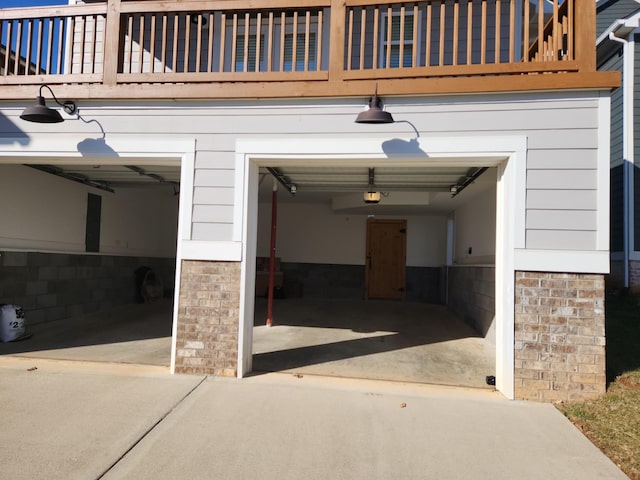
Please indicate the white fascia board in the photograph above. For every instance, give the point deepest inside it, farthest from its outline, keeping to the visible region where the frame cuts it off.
(561, 261)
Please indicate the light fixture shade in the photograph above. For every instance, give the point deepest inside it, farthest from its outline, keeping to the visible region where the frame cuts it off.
(371, 197)
(40, 113)
(374, 114)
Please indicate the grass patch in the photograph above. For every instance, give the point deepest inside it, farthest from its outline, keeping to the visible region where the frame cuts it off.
(612, 422)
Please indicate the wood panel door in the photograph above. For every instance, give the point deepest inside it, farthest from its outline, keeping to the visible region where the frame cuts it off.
(386, 258)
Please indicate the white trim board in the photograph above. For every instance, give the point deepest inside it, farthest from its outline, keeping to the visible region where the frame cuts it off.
(603, 179)
(211, 250)
(508, 153)
(562, 261)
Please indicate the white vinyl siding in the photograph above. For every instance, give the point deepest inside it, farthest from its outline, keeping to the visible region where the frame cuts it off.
(569, 220)
(561, 131)
(215, 195)
(562, 239)
(557, 180)
(561, 200)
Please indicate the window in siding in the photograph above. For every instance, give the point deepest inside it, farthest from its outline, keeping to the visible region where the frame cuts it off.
(246, 46)
(251, 53)
(300, 57)
(393, 43)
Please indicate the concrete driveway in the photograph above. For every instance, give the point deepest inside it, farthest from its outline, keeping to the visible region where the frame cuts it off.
(72, 420)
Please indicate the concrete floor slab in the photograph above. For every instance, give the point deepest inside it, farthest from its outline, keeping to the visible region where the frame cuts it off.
(382, 340)
(136, 333)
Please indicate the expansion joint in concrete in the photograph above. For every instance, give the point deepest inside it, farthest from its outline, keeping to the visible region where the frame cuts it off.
(150, 429)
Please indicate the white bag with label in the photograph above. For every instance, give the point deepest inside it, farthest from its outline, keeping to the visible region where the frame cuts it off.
(12, 325)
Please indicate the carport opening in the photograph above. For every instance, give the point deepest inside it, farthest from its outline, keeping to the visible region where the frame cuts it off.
(402, 289)
(89, 253)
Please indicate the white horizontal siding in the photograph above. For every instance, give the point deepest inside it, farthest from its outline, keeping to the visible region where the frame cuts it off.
(561, 131)
(211, 231)
(581, 220)
(212, 213)
(212, 161)
(561, 159)
(561, 200)
(214, 178)
(561, 179)
(213, 196)
(560, 240)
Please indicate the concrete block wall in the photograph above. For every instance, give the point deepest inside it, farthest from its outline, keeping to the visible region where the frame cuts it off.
(425, 284)
(320, 280)
(208, 318)
(559, 336)
(52, 286)
(471, 296)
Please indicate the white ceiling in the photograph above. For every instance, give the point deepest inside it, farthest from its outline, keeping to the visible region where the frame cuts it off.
(112, 177)
(406, 190)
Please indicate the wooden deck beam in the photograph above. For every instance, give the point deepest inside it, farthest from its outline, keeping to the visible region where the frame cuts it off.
(352, 88)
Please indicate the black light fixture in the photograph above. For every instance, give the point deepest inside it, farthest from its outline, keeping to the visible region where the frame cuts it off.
(40, 113)
(375, 113)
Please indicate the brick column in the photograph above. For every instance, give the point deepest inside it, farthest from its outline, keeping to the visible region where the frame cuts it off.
(559, 336)
(208, 318)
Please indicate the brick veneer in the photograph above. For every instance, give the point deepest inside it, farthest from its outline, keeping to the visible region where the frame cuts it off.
(559, 336)
(208, 318)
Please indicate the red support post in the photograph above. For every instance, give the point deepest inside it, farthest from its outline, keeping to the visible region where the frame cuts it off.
(272, 257)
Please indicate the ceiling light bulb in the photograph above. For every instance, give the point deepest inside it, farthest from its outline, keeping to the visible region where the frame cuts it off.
(371, 197)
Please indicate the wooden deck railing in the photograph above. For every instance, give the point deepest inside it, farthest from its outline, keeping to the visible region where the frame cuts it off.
(553, 31)
(125, 42)
(444, 38)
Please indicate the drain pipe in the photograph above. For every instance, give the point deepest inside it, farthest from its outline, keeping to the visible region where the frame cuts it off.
(627, 141)
(272, 255)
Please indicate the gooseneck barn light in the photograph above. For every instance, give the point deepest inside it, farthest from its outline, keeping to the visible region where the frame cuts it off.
(40, 113)
(375, 113)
